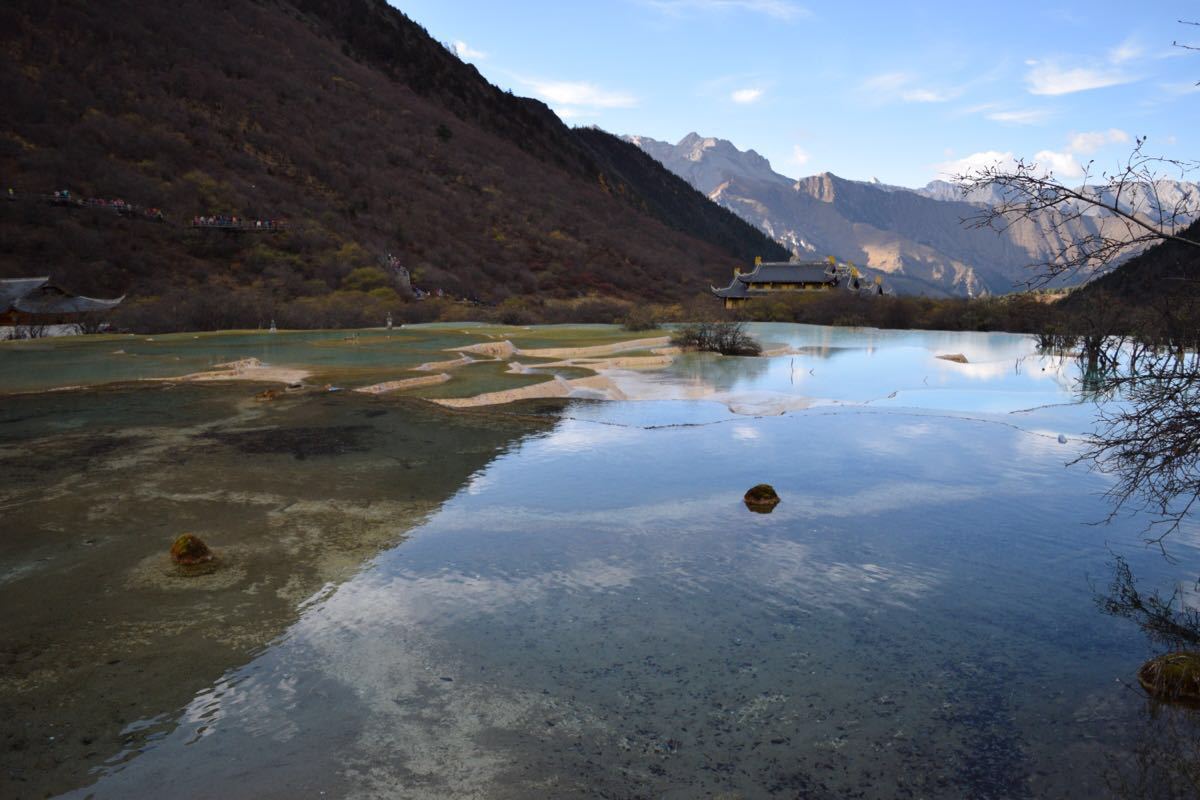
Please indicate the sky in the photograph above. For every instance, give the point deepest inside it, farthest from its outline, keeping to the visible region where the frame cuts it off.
(899, 92)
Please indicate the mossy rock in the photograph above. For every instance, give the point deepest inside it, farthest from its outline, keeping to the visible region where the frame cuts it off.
(189, 551)
(761, 498)
(1173, 677)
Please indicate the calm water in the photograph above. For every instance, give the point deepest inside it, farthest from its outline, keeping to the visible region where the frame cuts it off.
(594, 612)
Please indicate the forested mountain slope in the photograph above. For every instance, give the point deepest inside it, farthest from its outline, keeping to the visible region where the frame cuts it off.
(345, 119)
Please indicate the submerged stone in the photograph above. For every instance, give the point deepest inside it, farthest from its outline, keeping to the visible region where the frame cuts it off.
(1173, 677)
(957, 358)
(189, 550)
(761, 498)
(267, 394)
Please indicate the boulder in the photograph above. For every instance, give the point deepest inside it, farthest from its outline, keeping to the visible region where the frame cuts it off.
(1173, 677)
(957, 358)
(189, 550)
(761, 498)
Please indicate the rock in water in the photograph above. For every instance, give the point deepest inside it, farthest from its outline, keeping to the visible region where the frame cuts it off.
(761, 498)
(1173, 677)
(189, 550)
(957, 358)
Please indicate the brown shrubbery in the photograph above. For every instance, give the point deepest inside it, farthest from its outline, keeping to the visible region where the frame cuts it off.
(726, 338)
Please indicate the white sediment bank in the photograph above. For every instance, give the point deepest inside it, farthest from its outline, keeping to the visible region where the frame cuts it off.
(244, 369)
(405, 383)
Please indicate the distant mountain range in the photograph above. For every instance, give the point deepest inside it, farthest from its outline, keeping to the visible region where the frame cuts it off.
(915, 237)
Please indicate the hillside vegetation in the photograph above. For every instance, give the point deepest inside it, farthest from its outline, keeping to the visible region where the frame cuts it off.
(344, 118)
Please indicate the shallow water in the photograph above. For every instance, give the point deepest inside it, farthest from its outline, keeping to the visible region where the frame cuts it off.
(590, 610)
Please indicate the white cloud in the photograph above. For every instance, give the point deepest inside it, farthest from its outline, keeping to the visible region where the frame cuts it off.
(800, 156)
(779, 9)
(745, 96)
(1091, 141)
(1063, 165)
(1051, 79)
(1026, 116)
(567, 93)
(975, 162)
(467, 53)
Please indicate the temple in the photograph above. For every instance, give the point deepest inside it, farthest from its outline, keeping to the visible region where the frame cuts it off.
(772, 277)
(39, 302)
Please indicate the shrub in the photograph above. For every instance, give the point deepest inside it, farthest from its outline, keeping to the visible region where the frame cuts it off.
(640, 318)
(726, 338)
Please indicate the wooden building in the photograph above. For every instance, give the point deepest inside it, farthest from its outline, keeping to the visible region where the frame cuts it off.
(40, 302)
(773, 277)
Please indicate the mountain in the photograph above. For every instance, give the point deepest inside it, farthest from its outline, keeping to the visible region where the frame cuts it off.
(917, 238)
(342, 117)
(1166, 274)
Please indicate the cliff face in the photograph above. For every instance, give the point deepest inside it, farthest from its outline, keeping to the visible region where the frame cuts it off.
(344, 118)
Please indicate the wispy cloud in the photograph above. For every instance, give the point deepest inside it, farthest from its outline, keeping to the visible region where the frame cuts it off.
(1024, 116)
(1051, 78)
(800, 156)
(927, 95)
(1127, 50)
(886, 82)
(1179, 89)
(746, 96)
(892, 86)
(580, 93)
(468, 53)
(778, 9)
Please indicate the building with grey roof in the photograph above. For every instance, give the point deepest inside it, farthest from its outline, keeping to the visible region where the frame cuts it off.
(39, 301)
(772, 277)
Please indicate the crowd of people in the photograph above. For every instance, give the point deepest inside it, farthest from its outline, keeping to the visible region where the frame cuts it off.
(63, 197)
(237, 223)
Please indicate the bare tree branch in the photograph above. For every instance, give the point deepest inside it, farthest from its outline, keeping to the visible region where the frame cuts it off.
(1096, 224)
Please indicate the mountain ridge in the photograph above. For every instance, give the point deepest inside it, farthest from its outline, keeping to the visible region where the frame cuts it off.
(916, 237)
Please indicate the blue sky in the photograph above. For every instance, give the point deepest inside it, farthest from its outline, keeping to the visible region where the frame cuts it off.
(901, 92)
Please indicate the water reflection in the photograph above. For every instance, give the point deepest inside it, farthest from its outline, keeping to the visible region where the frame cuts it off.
(592, 610)
(295, 497)
(599, 614)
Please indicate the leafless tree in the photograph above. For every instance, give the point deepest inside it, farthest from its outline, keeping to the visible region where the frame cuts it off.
(1144, 373)
(1097, 223)
(1148, 438)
